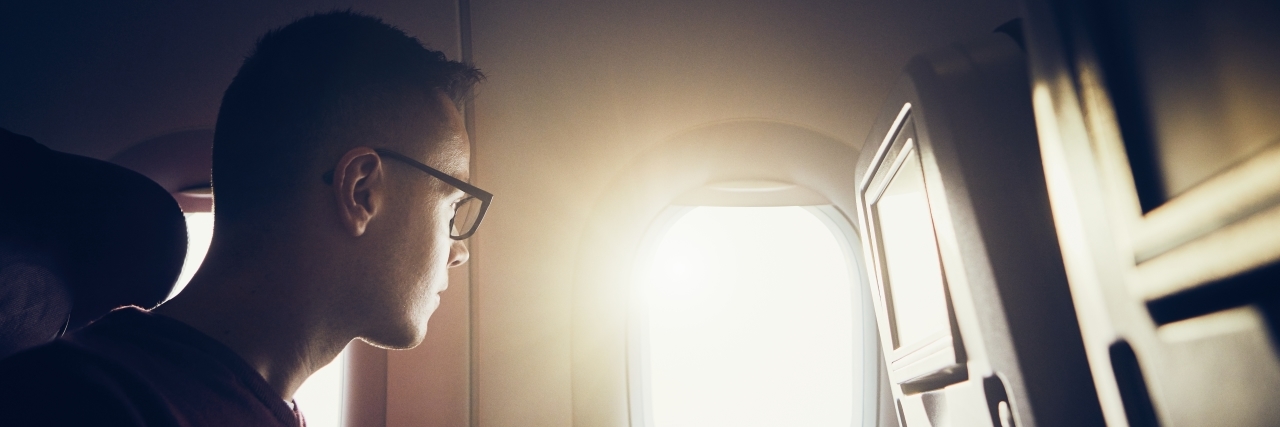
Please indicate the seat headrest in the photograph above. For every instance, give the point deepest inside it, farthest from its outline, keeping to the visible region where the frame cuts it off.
(107, 235)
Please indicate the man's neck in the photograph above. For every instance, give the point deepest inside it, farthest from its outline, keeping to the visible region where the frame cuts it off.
(255, 311)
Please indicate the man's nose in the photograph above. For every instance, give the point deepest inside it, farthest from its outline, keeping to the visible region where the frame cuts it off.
(458, 253)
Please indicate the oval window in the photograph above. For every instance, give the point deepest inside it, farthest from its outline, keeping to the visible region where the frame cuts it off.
(747, 317)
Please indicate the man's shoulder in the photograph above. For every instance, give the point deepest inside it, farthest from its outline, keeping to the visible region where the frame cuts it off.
(113, 369)
(58, 359)
(120, 353)
(62, 383)
(110, 348)
(135, 368)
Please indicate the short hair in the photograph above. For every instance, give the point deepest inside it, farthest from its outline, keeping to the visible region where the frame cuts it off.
(313, 87)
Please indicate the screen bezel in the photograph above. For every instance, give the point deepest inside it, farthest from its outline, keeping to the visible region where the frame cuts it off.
(941, 355)
(908, 151)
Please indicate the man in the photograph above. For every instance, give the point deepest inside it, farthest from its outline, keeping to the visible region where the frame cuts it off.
(340, 162)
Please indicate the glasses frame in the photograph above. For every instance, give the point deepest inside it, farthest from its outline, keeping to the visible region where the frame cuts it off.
(484, 196)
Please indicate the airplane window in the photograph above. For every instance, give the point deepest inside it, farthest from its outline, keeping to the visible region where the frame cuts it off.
(749, 321)
(320, 398)
(199, 233)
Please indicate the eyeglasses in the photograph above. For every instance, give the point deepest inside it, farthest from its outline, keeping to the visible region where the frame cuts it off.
(467, 213)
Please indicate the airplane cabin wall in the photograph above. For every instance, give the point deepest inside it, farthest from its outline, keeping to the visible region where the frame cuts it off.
(578, 90)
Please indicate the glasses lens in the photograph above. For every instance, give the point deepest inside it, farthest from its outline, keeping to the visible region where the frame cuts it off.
(465, 217)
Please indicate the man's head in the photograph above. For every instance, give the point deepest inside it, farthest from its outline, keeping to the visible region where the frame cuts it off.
(316, 98)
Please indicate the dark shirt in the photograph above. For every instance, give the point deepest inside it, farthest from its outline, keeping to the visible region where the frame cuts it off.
(135, 368)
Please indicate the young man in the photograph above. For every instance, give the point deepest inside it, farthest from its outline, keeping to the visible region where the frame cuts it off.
(340, 162)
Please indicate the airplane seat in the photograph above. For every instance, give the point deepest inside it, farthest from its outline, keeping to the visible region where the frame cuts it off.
(34, 302)
(79, 237)
(973, 306)
(1162, 152)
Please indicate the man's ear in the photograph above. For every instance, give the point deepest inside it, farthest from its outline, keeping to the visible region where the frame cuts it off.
(358, 187)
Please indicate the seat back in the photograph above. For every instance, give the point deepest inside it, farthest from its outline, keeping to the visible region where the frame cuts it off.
(1161, 141)
(973, 307)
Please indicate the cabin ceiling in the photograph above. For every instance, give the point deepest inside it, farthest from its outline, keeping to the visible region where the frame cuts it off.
(94, 77)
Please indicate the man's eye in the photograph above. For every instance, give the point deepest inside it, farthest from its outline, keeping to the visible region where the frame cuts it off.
(461, 201)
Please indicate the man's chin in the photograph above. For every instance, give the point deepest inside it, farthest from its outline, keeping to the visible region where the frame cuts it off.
(406, 332)
(404, 340)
